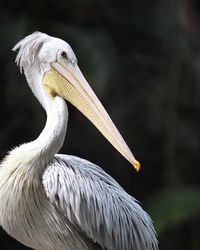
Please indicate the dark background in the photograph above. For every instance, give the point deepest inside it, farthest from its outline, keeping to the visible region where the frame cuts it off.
(142, 58)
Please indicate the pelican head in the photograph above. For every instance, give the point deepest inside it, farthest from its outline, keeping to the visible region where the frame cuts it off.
(53, 63)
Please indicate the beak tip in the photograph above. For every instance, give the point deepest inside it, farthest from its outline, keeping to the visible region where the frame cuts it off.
(137, 165)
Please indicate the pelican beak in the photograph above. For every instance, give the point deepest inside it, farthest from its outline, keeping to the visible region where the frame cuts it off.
(67, 81)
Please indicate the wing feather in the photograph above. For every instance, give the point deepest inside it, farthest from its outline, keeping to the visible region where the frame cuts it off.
(95, 203)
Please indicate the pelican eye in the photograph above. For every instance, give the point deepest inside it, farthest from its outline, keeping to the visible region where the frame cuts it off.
(64, 55)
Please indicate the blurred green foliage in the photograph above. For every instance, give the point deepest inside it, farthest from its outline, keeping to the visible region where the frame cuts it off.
(174, 206)
(142, 58)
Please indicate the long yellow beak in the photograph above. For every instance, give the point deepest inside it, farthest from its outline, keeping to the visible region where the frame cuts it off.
(68, 82)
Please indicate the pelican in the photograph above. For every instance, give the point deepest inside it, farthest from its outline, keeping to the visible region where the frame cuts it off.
(52, 201)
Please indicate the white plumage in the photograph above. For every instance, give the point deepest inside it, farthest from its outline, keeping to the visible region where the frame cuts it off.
(62, 202)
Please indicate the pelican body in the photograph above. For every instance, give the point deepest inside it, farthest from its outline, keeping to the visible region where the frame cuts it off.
(51, 201)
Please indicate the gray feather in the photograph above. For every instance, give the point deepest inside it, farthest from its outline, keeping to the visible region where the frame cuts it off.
(96, 204)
